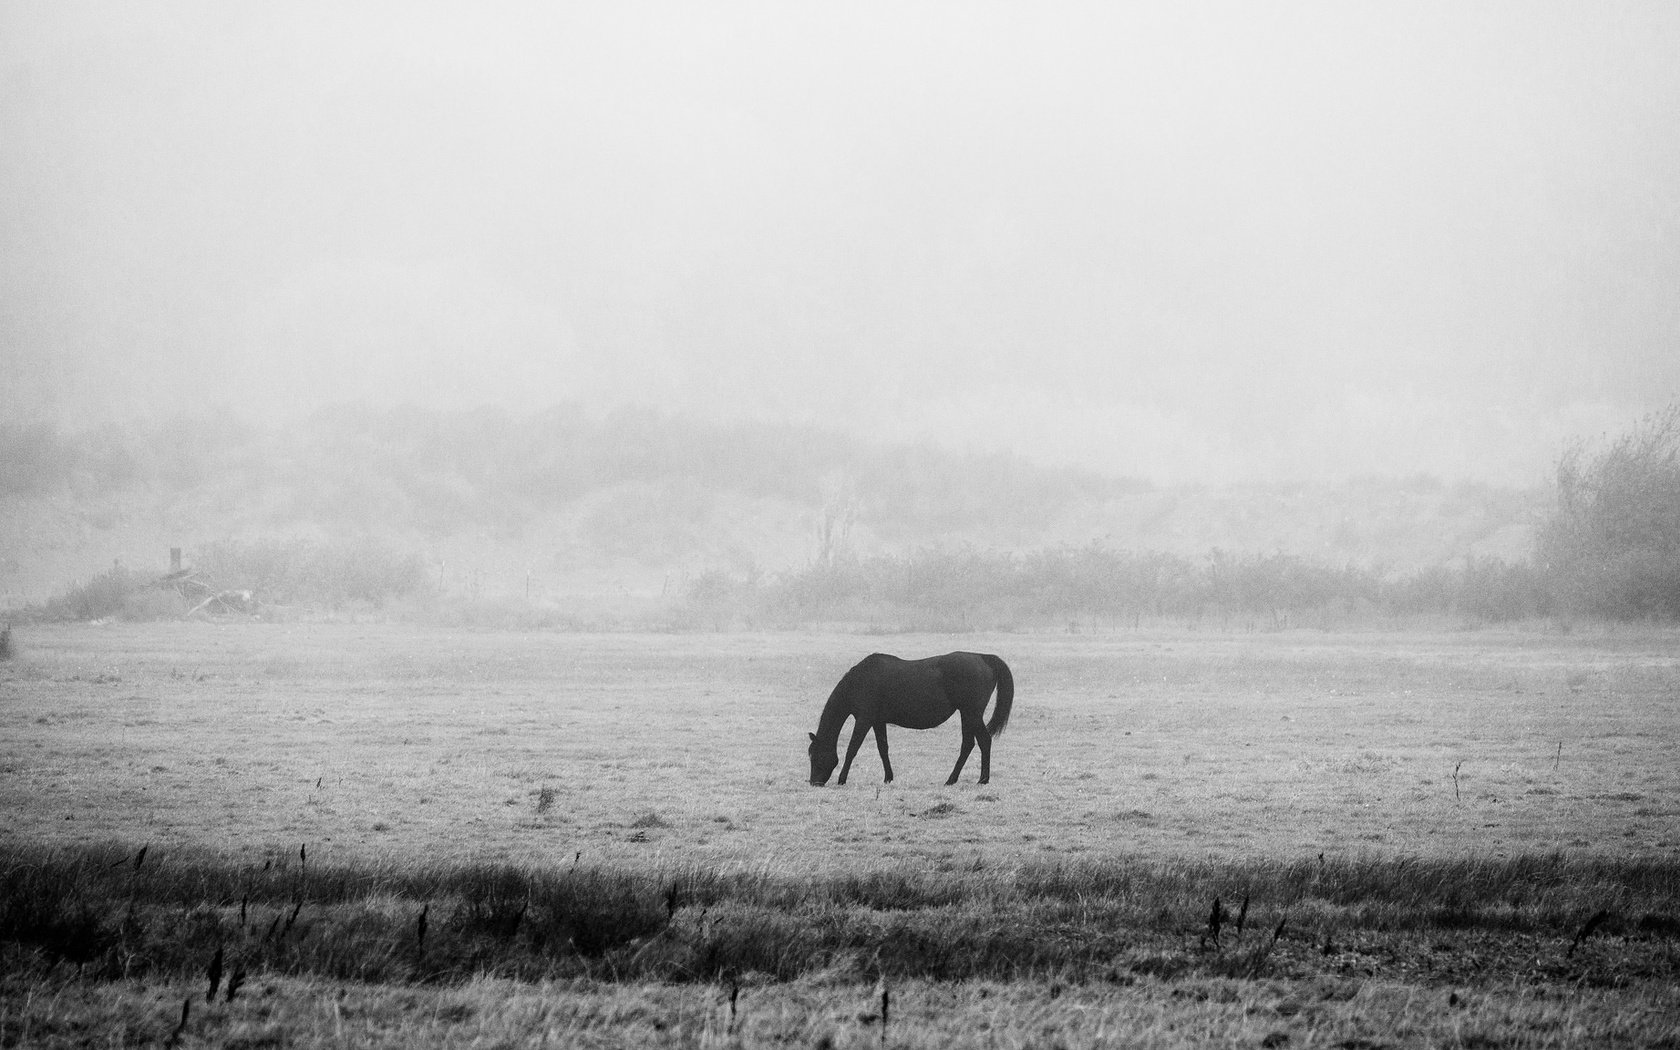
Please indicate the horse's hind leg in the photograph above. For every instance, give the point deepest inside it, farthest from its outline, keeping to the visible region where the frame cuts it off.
(962, 756)
(858, 731)
(984, 738)
(881, 745)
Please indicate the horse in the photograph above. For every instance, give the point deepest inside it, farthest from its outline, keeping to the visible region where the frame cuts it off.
(884, 690)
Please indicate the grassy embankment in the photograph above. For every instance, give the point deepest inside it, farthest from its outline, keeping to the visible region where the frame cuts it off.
(195, 926)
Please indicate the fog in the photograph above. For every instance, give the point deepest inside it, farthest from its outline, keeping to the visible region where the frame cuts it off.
(1188, 242)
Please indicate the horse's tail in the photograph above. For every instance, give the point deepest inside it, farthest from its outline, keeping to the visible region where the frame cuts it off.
(1005, 694)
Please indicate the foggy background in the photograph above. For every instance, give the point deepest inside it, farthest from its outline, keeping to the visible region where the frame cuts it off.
(1185, 242)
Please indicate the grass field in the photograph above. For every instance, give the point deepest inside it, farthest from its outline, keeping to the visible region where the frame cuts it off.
(1433, 818)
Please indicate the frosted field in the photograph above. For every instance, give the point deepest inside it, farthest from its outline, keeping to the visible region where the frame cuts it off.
(381, 742)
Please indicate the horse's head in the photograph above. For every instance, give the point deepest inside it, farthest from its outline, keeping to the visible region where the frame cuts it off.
(823, 761)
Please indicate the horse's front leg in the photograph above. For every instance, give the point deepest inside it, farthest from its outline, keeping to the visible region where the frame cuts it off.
(962, 756)
(881, 745)
(858, 731)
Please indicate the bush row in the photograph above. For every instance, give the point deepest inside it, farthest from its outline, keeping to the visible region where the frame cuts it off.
(962, 588)
(972, 587)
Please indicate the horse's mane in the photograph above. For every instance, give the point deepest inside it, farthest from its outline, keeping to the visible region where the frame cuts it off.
(851, 677)
(836, 709)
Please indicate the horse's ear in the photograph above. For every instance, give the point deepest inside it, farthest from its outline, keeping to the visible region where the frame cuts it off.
(813, 738)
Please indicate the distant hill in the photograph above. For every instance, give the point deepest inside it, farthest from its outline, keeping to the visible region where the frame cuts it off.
(637, 502)
(1384, 523)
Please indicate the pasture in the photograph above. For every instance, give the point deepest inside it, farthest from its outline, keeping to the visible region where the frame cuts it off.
(1192, 764)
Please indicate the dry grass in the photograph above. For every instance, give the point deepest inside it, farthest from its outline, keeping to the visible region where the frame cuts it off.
(116, 914)
(821, 1012)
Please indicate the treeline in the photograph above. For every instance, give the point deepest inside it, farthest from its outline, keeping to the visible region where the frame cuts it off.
(935, 589)
(439, 473)
(972, 589)
(1610, 549)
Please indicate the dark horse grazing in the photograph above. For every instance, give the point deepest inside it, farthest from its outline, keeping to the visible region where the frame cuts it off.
(883, 690)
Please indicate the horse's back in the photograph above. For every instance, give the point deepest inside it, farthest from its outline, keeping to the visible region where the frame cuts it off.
(884, 671)
(919, 694)
(953, 659)
(950, 668)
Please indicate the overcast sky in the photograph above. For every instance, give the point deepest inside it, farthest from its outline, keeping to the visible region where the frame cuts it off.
(1184, 241)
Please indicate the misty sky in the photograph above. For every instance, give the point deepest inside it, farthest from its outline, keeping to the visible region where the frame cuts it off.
(1183, 241)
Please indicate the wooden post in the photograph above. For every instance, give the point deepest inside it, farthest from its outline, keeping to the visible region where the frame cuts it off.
(174, 559)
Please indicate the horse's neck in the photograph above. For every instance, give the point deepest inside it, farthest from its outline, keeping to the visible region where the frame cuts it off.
(834, 715)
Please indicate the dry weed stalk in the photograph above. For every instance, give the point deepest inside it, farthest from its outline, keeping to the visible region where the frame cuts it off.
(291, 919)
(175, 1036)
(215, 975)
(1587, 929)
(420, 933)
(1257, 958)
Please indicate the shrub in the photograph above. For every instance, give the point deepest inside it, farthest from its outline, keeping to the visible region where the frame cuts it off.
(1612, 545)
(310, 573)
(105, 596)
